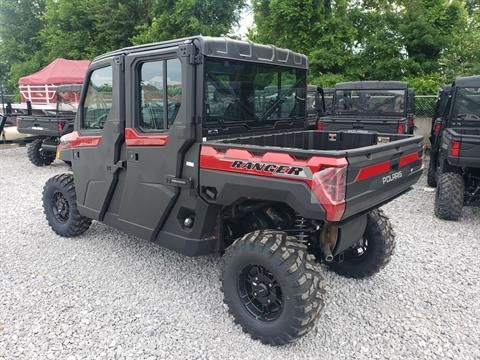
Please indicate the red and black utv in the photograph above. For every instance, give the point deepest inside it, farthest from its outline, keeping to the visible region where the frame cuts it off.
(199, 144)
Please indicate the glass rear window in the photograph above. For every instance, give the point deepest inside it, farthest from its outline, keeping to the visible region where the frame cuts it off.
(467, 104)
(252, 94)
(370, 101)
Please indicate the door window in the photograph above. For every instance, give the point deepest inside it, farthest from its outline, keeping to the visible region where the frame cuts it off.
(160, 93)
(98, 101)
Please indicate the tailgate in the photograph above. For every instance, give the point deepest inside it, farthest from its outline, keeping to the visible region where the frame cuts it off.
(469, 148)
(377, 174)
(37, 125)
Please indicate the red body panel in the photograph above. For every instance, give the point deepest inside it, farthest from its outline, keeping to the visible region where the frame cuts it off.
(132, 138)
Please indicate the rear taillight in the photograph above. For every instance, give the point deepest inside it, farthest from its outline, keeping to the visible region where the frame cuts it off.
(329, 185)
(60, 125)
(437, 126)
(455, 149)
(320, 125)
(411, 122)
(400, 128)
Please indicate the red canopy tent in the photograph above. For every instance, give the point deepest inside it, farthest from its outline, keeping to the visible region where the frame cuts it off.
(40, 87)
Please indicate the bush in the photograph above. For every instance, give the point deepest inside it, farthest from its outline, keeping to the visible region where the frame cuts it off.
(426, 84)
(327, 80)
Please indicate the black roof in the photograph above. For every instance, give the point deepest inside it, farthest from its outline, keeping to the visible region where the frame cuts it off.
(372, 85)
(223, 47)
(469, 81)
(69, 88)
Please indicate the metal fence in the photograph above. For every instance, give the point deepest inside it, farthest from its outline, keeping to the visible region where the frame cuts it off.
(425, 105)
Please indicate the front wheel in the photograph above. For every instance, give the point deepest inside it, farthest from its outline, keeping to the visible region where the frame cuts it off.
(38, 156)
(449, 197)
(272, 286)
(60, 207)
(372, 253)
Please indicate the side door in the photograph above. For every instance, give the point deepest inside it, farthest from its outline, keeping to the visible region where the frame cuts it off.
(159, 130)
(100, 126)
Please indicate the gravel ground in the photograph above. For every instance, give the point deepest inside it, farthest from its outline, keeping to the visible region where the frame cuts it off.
(109, 295)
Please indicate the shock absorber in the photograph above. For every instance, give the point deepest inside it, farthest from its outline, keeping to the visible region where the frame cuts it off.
(303, 228)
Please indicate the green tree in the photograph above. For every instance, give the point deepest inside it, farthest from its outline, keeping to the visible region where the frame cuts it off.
(379, 50)
(69, 30)
(427, 28)
(169, 19)
(20, 22)
(320, 29)
(461, 56)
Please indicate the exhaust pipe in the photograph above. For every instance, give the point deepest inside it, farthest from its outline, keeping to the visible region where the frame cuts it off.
(328, 241)
(327, 253)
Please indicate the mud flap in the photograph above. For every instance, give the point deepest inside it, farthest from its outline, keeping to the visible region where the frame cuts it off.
(350, 232)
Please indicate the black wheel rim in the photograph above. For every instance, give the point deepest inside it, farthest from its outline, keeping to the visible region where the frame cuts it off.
(60, 207)
(359, 250)
(260, 293)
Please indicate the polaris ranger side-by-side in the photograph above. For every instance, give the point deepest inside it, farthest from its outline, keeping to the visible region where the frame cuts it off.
(49, 128)
(186, 143)
(455, 156)
(371, 106)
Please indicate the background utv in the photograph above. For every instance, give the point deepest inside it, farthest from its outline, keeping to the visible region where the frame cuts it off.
(455, 156)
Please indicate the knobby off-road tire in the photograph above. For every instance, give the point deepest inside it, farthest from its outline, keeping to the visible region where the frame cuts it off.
(449, 196)
(290, 274)
(431, 174)
(60, 207)
(37, 156)
(373, 252)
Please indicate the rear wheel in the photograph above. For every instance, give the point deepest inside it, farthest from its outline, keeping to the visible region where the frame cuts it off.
(38, 156)
(60, 207)
(432, 173)
(372, 253)
(449, 196)
(272, 286)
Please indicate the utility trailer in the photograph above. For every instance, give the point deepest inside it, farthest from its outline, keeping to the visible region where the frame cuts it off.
(455, 156)
(173, 143)
(47, 129)
(371, 106)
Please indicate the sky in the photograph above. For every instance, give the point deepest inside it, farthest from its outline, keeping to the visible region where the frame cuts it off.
(246, 21)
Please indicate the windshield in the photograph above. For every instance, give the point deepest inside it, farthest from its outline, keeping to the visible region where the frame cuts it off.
(467, 104)
(370, 101)
(68, 100)
(251, 94)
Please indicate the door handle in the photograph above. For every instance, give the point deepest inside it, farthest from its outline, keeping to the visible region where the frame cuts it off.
(115, 167)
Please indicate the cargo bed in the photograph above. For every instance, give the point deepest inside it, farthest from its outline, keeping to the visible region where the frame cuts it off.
(379, 166)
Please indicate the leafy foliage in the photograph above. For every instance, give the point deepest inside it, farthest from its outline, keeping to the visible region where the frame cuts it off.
(20, 22)
(34, 32)
(168, 19)
(427, 42)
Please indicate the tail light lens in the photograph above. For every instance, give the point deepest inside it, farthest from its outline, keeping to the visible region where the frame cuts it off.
(411, 122)
(455, 149)
(400, 128)
(320, 125)
(329, 185)
(437, 126)
(60, 125)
